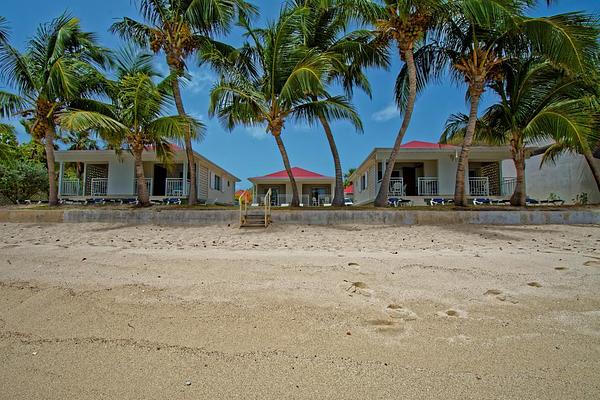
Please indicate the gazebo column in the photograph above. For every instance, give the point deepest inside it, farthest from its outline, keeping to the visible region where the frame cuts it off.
(185, 178)
(61, 172)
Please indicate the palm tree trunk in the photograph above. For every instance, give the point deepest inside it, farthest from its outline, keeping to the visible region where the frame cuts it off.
(142, 189)
(53, 189)
(382, 197)
(288, 168)
(193, 194)
(460, 197)
(338, 197)
(519, 197)
(589, 157)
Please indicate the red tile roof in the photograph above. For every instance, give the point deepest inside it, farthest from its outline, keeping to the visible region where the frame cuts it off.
(417, 144)
(296, 171)
(173, 146)
(349, 189)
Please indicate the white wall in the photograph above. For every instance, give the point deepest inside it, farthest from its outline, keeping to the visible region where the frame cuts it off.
(567, 178)
(121, 175)
(446, 176)
(226, 194)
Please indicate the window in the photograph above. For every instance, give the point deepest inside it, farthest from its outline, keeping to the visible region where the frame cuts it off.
(216, 182)
(363, 182)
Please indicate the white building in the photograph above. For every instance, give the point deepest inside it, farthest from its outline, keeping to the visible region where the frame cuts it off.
(567, 179)
(111, 175)
(425, 170)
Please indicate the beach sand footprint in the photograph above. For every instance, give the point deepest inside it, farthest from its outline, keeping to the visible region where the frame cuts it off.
(359, 288)
(386, 326)
(592, 263)
(560, 268)
(396, 311)
(534, 284)
(493, 292)
(452, 313)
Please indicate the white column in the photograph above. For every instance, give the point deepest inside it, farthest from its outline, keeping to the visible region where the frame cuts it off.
(84, 179)
(61, 172)
(185, 175)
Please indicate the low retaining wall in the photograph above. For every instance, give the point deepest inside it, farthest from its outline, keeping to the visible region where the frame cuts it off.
(305, 217)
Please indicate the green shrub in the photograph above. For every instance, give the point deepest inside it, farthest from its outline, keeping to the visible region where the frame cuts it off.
(21, 180)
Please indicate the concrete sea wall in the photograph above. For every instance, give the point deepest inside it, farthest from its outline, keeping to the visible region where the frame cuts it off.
(306, 217)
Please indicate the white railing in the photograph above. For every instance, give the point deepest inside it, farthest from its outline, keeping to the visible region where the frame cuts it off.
(149, 186)
(479, 186)
(99, 187)
(70, 187)
(305, 200)
(508, 186)
(397, 187)
(174, 187)
(428, 186)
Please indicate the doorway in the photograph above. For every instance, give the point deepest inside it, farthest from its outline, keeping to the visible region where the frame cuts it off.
(410, 180)
(160, 180)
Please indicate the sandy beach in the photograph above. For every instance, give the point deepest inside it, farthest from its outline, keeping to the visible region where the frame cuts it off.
(100, 311)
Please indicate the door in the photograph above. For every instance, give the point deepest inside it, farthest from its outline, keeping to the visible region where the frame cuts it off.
(160, 180)
(410, 180)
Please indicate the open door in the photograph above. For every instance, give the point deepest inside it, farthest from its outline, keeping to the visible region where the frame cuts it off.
(410, 180)
(160, 180)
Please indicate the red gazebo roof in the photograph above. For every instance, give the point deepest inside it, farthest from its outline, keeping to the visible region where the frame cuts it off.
(349, 189)
(296, 171)
(417, 144)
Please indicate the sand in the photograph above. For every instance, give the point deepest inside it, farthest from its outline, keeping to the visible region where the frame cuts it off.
(99, 311)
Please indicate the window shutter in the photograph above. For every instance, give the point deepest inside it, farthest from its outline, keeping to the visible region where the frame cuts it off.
(222, 184)
(212, 180)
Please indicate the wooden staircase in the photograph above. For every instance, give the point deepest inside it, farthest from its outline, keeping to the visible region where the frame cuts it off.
(255, 217)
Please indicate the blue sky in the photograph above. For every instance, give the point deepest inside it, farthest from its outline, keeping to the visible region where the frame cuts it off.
(250, 152)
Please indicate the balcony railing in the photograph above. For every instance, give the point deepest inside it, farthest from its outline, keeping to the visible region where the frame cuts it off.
(70, 187)
(479, 186)
(99, 187)
(149, 185)
(397, 187)
(428, 186)
(174, 187)
(508, 186)
(278, 200)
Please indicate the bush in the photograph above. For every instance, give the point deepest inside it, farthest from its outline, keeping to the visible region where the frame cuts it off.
(21, 180)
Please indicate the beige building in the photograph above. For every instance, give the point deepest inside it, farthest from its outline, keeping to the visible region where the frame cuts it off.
(425, 170)
(111, 175)
(314, 189)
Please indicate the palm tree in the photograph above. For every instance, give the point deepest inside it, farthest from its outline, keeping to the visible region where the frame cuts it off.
(576, 139)
(538, 102)
(54, 79)
(325, 29)
(178, 28)
(405, 23)
(272, 79)
(481, 39)
(137, 107)
(80, 141)
(8, 142)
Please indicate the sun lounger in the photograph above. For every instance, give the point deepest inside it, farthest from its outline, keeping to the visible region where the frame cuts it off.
(438, 201)
(532, 202)
(482, 201)
(399, 202)
(172, 200)
(555, 202)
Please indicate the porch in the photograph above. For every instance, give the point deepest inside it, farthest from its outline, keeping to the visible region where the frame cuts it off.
(311, 194)
(432, 178)
(98, 180)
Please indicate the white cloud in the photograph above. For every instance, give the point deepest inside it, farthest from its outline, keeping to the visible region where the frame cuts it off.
(200, 81)
(387, 114)
(257, 132)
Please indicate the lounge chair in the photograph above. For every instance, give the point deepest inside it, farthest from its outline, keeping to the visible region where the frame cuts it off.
(172, 200)
(554, 202)
(482, 201)
(399, 202)
(439, 201)
(95, 201)
(532, 202)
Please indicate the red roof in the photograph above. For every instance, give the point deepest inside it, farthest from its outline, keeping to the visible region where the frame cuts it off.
(173, 146)
(296, 171)
(349, 189)
(417, 144)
